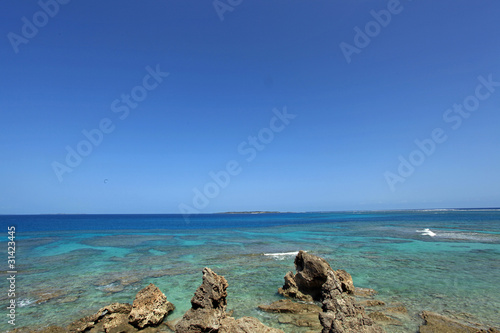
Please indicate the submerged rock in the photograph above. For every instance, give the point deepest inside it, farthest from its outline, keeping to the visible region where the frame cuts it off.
(384, 319)
(372, 302)
(245, 325)
(288, 306)
(150, 307)
(434, 323)
(294, 313)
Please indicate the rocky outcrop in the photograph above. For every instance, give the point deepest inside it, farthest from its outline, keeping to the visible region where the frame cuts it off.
(208, 311)
(306, 283)
(208, 305)
(149, 308)
(316, 280)
(434, 323)
(340, 312)
(345, 279)
(148, 311)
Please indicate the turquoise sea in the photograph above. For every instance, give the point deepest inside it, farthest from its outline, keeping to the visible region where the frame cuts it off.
(69, 266)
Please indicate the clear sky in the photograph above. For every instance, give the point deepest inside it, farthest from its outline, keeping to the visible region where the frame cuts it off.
(290, 105)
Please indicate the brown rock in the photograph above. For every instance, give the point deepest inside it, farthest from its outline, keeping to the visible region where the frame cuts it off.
(208, 311)
(208, 305)
(311, 274)
(436, 323)
(340, 313)
(345, 281)
(97, 318)
(117, 323)
(149, 308)
(290, 289)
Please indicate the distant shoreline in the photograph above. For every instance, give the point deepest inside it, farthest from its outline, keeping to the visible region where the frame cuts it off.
(255, 212)
(276, 212)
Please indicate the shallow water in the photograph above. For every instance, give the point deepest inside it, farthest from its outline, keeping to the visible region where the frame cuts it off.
(65, 275)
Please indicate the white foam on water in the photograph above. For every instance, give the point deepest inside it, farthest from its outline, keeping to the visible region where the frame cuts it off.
(469, 236)
(281, 255)
(25, 302)
(427, 232)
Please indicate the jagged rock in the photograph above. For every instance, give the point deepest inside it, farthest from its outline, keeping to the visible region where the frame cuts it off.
(208, 311)
(315, 278)
(288, 306)
(436, 323)
(208, 305)
(311, 274)
(149, 308)
(245, 325)
(340, 313)
(290, 289)
(345, 281)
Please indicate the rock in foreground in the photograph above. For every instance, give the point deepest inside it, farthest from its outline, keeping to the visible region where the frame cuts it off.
(340, 312)
(149, 308)
(316, 280)
(208, 311)
(306, 284)
(148, 311)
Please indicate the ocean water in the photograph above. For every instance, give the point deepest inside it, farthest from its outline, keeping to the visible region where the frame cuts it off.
(69, 266)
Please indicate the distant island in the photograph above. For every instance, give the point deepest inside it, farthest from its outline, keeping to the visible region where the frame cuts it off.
(253, 212)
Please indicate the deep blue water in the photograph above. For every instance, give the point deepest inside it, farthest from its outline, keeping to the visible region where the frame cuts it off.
(33, 223)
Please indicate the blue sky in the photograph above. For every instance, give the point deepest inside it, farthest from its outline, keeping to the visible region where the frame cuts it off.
(331, 130)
